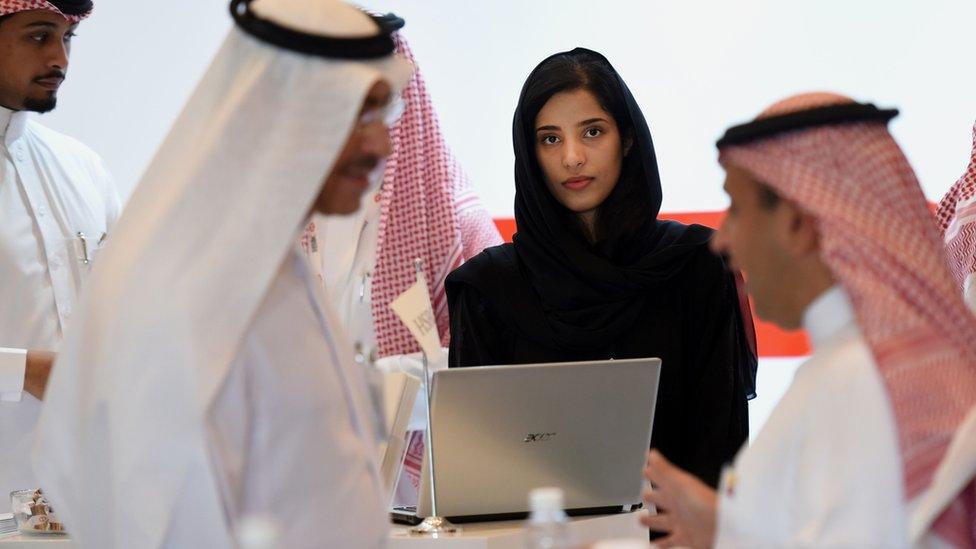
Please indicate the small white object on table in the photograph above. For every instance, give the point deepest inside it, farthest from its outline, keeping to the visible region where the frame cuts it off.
(479, 535)
(511, 534)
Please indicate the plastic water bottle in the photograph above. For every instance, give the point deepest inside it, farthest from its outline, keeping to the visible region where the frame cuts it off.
(548, 527)
(258, 532)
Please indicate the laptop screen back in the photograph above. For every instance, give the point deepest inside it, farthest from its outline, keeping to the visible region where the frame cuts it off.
(500, 431)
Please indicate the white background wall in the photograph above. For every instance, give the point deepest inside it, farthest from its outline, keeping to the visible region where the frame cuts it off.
(695, 67)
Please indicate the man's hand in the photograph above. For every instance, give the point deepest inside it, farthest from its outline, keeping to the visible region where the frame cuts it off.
(686, 507)
(38, 371)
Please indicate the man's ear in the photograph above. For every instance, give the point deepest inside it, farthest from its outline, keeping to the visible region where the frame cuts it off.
(801, 235)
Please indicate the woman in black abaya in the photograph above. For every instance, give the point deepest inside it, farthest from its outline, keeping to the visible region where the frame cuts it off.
(593, 274)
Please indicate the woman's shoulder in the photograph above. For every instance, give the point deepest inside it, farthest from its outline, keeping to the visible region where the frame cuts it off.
(683, 234)
(491, 263)
(703, 264)
(478, 289)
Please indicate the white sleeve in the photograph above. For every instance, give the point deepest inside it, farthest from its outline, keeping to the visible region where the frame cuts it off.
(13, 366)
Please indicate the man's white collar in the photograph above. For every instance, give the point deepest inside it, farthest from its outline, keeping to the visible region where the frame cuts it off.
(12, 125)
(828, 314)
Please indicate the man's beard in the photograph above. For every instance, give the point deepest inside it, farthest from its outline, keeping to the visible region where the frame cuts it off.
(40, 105)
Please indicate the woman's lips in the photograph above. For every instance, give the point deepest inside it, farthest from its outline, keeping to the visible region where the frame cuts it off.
(577, 183)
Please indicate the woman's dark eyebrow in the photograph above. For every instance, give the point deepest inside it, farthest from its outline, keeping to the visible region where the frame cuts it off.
(591, 121)
(583, 123)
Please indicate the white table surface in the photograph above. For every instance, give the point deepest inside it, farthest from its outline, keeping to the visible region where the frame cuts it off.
(481, 535)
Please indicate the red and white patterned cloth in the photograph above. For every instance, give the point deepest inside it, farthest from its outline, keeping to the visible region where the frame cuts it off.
(8, 7)
(877, 238)
(957, 221)
(427, 210)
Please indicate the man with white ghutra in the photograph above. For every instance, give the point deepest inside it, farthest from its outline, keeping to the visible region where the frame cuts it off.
(206, 384)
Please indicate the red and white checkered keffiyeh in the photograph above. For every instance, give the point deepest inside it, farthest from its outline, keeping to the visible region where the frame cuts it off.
(877, 238)
(427, 210)
(957, 221)
(8, 7)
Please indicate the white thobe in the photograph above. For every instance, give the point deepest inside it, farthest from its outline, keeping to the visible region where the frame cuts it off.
(346, 258)
(57, 203)
(343, 257)
(290, 433)
(825, 470)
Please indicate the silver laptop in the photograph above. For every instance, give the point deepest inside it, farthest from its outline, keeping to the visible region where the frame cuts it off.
(500, 431)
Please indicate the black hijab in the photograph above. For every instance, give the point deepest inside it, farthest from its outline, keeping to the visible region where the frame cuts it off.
(583, 295)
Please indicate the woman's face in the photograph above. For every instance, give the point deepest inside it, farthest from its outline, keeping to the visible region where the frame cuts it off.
(579, 149)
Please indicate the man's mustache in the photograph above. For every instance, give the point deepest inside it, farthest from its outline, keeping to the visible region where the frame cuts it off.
(53, 74)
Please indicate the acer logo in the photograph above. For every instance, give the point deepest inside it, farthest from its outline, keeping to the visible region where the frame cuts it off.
(538, 437)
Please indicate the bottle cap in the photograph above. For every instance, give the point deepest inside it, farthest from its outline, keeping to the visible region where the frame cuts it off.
(622, 543)
(545, 500)
(258, 532)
